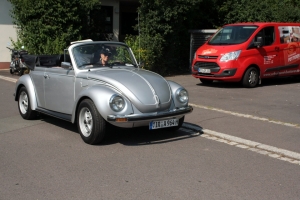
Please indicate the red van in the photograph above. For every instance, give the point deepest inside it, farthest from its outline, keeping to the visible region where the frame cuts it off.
(249, 52)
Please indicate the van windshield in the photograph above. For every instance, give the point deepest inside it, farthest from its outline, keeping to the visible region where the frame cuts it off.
(230, 35)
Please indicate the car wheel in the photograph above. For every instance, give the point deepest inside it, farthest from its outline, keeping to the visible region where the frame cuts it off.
(90, 123)
(175, 128)
(24, 105)
(251, 77)
(206, 81)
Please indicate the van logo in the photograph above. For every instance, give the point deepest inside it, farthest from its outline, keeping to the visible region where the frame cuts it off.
(209, 51)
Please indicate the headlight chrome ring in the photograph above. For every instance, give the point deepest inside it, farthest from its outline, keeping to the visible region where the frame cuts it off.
(182, 95)
(117, 103)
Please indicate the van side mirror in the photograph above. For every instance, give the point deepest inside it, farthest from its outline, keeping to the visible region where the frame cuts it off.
(66, 65)
(258, 42)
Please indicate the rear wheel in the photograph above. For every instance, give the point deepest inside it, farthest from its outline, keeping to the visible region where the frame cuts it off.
(11, 71)
(24, 105)
(91, 125)
(206, 81)
(251, 78)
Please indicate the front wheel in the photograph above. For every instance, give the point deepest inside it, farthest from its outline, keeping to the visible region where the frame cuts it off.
(24, 105)
(250, 78)
(91, 125)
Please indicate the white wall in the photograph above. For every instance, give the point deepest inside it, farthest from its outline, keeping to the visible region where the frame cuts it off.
(7, 30)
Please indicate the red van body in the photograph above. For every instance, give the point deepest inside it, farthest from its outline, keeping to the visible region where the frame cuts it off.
(249, 52)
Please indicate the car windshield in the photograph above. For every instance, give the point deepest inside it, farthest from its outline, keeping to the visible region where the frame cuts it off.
(230, 35)
(103, 55)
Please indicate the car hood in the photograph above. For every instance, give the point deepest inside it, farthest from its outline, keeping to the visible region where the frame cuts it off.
(148, 91)
(216, 50)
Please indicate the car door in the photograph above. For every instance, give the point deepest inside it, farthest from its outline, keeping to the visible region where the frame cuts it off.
(59, 89)
(269, 52)
(37, 77)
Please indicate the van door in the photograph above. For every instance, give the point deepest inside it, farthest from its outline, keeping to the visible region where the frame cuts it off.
(268, 52)
(289, 50)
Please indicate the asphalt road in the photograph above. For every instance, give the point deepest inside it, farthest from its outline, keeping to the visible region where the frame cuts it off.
(237, 144)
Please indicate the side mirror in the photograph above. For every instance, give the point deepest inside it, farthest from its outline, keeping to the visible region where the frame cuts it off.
(66, 65)
(258, 42)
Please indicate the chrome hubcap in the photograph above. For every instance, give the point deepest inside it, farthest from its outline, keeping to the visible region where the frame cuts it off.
(23, 102)
(85, 122)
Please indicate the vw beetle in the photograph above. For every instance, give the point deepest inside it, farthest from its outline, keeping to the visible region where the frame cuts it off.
(79, 88)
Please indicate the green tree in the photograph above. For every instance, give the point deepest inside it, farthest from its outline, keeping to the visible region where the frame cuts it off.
(264, 11)
(48, 26)
(164, 31)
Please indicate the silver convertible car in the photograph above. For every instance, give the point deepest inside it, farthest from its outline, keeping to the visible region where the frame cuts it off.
(96, 83)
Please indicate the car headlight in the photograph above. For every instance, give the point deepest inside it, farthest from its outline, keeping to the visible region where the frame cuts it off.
(117, 103)
(182, 95)
(230, 56)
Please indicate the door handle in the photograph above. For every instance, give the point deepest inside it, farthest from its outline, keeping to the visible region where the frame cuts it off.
(46, 76)
(277, 49)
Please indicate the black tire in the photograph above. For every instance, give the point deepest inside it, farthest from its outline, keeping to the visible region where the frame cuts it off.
(206, 81)
(175, 128)
(24, 105)
(91, 125)
(11, 71)
(251, 78)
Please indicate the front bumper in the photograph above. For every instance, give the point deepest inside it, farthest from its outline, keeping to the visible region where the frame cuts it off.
(145, 118)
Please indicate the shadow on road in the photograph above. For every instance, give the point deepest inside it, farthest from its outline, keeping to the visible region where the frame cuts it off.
(265, 82)
(135, 136)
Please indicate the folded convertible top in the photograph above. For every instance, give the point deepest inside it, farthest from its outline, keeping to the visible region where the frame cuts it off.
(31, 61)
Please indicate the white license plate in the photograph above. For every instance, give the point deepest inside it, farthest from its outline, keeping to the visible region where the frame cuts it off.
(163, 123)
(201, 70)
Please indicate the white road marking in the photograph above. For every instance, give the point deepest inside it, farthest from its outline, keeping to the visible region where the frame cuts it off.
(274, 152)
(246, 116)
(8, 79)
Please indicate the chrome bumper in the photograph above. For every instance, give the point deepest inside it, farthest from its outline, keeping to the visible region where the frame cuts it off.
(152, 116)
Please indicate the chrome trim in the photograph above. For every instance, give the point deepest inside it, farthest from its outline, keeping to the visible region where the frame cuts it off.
(141, 117)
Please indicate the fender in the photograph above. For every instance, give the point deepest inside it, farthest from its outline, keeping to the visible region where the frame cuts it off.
(100, 95)
(25, 80)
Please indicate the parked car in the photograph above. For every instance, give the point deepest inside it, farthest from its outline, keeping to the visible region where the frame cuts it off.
(248, 53)
(79, 88)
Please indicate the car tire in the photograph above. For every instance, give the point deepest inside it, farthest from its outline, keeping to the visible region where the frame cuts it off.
(175, 128)
(24, 105)
(90, 123)
(251, 78)
(206, 81)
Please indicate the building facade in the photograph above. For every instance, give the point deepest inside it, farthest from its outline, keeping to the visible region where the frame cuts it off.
(116, 16)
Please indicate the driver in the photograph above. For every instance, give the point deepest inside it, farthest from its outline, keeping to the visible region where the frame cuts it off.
(104, 56)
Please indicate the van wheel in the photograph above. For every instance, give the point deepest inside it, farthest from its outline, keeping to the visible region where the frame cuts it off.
(91, 125)
(251, 78)
(206, 81)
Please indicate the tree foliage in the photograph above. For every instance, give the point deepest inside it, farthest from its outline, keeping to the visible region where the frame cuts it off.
(164, 31)
(260, 11)
(48, 26)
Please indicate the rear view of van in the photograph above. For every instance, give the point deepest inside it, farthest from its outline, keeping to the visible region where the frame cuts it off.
(248, 53)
